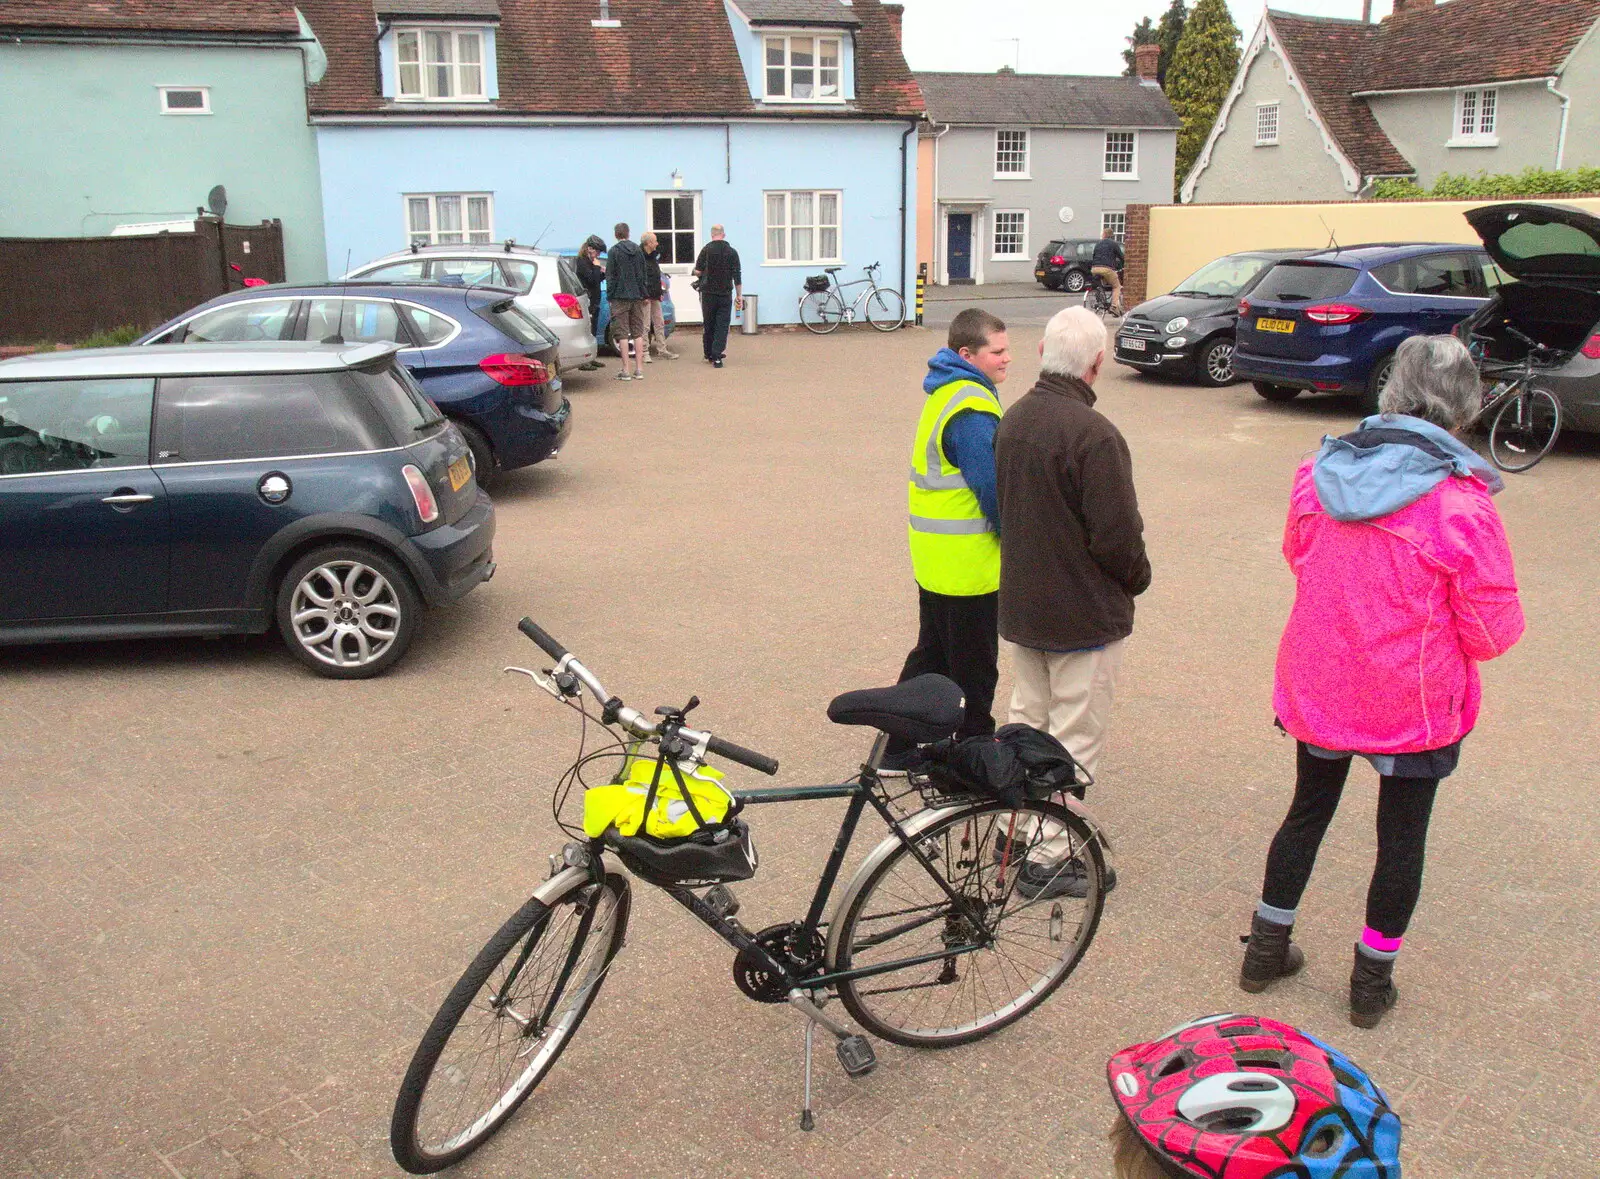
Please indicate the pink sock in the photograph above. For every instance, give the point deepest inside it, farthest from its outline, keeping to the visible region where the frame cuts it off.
(1379, 946)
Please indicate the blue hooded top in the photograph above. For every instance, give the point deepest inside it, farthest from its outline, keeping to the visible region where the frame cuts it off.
(1369, 482)
(969, 435)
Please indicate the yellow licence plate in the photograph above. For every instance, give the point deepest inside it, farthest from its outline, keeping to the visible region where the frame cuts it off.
(460, 472)
(1286, 326)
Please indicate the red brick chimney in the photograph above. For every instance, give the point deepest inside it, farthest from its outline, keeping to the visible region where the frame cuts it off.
(1402, 6)
(896, 14)
(1147, 62)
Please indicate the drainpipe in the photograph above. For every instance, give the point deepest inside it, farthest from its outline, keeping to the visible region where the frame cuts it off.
(1566, 110)
(383, 31)
(911, 129)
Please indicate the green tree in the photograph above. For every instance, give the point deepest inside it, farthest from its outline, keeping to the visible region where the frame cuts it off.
(1203, 68)
(1169, 32)
(1144, 33)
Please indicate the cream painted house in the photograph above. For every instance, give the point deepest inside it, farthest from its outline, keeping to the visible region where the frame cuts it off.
(1322, 108)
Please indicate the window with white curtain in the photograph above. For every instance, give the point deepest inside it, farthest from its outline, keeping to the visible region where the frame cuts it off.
(802, 68)
(449, 218)
(440, 65)
(802, 226)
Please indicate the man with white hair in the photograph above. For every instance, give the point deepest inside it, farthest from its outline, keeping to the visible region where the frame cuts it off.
(721, 285)
(1074, 559)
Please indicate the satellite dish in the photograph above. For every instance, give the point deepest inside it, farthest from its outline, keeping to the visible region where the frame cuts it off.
(217, 200)
(1066, 214)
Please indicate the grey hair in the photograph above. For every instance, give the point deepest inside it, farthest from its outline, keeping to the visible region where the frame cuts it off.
(1434, 378)
(1073, 340)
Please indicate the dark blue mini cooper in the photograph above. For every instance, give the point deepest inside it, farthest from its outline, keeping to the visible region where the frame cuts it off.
(217, 488)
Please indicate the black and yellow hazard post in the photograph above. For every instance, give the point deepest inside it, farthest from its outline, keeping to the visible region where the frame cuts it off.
(922, 285)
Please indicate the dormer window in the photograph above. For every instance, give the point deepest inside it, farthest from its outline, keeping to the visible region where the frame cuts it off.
(440, 65)
(802, 68)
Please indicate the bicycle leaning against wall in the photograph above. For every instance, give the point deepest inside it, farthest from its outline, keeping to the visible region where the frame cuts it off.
(931, 944)
(822, 305)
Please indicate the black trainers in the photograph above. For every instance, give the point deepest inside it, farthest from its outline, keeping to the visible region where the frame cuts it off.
(1009, 851)
(898, 765)
(1049, 881)
(717, 363)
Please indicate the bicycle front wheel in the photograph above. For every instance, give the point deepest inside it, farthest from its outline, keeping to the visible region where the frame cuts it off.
(821, 311)
(505, 1023)
(1036, 875)
(1524, 430)
(886, 309)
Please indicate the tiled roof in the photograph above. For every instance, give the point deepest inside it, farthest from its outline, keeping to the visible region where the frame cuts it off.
(255, 17)
(799, 12)
(1467, 41)
(439, 9)
(1041, 100)
(1329, 55)
(553, 61)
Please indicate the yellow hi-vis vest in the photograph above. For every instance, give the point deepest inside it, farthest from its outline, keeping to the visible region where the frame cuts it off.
(954, 549)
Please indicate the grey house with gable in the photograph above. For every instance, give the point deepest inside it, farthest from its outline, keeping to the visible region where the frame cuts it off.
(1018, 160)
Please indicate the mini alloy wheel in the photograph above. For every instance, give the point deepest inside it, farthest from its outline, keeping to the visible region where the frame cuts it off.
(1216, 363)
(347, 612)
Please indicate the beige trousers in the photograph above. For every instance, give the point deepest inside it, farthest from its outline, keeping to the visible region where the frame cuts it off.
(1115, 279)
(1068, 695)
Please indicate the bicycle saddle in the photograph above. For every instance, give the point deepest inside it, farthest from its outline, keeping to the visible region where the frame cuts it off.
(833, 269)
(927, 708)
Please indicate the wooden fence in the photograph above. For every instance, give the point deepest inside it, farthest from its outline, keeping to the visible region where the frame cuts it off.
(66, 289)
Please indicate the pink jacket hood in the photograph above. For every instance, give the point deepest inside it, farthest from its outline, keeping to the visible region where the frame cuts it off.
(1393, 613)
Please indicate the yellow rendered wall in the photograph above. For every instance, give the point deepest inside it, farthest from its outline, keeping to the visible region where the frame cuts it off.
(925, 204)
(1184, 238)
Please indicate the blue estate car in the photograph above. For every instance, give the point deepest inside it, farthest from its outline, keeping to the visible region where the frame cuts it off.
(217, 488)
(489, 366)
(1330, 322)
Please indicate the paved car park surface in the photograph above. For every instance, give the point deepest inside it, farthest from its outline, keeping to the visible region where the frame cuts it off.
(233, 893)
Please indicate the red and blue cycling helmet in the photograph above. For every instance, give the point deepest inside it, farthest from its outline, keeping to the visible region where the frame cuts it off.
(1240, 1097)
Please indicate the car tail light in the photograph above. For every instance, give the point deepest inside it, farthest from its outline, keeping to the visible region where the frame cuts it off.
(1336, 313)
(570, 306)
(1592, 348)
(421, 494)
(1057, 260)
(1326, 386)
(516, 371)
(1244, 306)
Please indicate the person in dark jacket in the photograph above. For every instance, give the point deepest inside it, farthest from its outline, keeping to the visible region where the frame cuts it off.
(628, 291)
(1074, 558)
(1107, 266)
(592, 274)
(721, 292)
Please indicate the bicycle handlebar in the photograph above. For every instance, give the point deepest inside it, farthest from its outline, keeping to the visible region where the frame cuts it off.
(631, 718)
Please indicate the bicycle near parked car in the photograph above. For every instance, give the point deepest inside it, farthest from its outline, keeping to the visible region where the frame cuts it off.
(931, 944)
(1097, 296)
(822, 305)
(1524, 418)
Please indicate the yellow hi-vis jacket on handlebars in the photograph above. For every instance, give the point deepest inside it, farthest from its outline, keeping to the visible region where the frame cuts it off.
(622, 802)
(954, 548)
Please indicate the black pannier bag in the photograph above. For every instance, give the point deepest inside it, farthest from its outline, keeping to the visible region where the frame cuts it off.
(1018, 762)
(816, 283)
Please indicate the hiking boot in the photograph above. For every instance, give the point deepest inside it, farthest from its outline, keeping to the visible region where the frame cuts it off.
(1268, 955)
(1372, 989)
(1009, 851)
(1069, 878)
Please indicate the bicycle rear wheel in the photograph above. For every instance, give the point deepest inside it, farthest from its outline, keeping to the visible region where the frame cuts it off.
(1524, 430)
(886, 309)
(505, 1023)
(900, 912)
(822, 311)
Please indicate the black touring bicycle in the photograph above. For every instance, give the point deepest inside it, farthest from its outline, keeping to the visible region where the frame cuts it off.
(931, 943)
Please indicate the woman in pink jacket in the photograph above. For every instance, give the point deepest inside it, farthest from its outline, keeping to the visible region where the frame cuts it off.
(1403, 585)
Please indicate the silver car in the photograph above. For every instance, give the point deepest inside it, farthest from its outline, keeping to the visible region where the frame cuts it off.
(551, 292)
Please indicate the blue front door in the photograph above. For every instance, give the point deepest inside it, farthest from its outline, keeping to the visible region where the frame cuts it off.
(960, 253)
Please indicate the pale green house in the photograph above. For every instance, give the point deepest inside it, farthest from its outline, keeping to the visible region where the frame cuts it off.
(130, 112)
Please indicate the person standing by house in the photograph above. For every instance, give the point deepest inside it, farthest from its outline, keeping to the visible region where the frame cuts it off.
(627, 291)
(954, 528)
(1107, 265)
(721, 291)
(655, 290)
(1403, 584)
(1074, 562)
(592, 273)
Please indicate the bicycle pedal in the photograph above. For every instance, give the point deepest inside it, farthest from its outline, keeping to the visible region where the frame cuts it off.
(720, 900)
(857, 1056)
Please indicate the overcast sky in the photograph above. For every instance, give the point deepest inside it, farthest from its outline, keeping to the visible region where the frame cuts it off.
(1059, 36)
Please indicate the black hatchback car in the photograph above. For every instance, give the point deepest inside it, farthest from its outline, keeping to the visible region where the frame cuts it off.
(1190, 331)
(216, 488)
(1065, 263)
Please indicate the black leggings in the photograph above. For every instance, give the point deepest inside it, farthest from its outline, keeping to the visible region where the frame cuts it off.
(1404, 807)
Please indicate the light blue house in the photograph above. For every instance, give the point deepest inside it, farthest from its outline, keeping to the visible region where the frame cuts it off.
(122, 114)
(790, 122)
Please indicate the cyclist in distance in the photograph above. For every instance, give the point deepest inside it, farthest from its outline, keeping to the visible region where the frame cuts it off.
(954, 529)
(1107, 266)
(1403, 584)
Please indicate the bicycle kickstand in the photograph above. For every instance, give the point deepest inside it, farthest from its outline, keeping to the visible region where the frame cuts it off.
(854, 1051)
